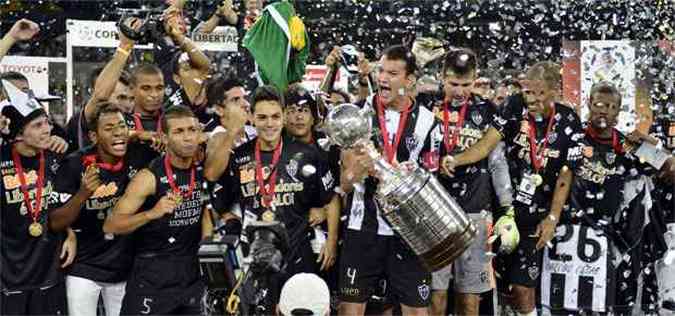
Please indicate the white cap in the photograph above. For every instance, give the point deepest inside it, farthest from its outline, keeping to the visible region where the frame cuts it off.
(305, 291)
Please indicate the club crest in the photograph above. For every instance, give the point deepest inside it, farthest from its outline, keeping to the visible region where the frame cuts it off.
(424, 291)
(476, 118)
(292, 169)
(533, 272)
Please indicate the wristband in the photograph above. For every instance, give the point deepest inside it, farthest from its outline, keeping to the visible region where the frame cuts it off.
(123, 51)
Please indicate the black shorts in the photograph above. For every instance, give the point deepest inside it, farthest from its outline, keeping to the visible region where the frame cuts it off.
(368, 258)
(49, 301)
(164, 286)
(523, 265)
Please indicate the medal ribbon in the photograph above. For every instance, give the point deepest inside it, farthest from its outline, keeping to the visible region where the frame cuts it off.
(267, 191)
(536, 152)
(34, 212)
(449, 146)
(172, 183)
(89, 160)
(615, 139)
(390, 149)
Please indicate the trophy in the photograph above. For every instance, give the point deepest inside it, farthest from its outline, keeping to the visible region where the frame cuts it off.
(411, 199)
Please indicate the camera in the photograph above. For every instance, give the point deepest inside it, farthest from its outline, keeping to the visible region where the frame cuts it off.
(151, 31)
(268, 246)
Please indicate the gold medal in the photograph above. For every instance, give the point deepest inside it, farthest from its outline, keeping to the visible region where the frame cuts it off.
(35, 229)
(178, 199)
(537, 179)
(268, 216)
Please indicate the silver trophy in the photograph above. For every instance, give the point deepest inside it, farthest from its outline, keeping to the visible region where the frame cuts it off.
(413, 202)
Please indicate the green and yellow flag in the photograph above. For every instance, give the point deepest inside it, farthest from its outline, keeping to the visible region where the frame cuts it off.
(279, 44)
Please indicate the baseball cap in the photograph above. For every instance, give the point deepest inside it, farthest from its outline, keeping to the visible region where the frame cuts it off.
(307, 292)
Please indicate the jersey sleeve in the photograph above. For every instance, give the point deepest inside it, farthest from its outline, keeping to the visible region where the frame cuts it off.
(507, 123)
(573, 151)
(225, 192)
(324, 183)
(67, 181)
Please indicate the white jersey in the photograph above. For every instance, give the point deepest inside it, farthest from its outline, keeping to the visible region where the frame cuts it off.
(577, 272)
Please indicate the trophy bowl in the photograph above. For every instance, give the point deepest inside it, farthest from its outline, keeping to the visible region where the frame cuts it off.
(347, 125)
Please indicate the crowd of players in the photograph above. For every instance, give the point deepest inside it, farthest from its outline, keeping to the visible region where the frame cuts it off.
(116, 204)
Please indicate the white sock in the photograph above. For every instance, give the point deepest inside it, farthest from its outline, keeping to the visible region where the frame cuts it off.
(532, 313)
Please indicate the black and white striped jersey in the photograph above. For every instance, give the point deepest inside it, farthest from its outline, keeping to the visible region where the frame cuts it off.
(363, 212)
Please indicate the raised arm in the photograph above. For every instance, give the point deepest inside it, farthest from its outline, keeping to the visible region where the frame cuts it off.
(224, 11)
(22, 30)
(219, 147)
(107, 79)
(198, 59)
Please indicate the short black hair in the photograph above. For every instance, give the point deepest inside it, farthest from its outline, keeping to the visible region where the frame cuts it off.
(173, 112)
(460, 61)
(510, 81)
(13, 76)
(124, 78)
(400, 52)
(216, 88)
(266, 93)
(102, 107)
(143, 69)
(605, 87)
(343, 94)
(299, 96)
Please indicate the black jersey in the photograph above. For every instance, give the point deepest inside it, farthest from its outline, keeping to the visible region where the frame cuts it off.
(180, 97)
(600, 179)
(100, 257)
(76, 132)
(177, 234)
(303, 181)
(364, 214)
(147, 123)
(470, 185)
(27, 262)
(330, 155)
(563, 149)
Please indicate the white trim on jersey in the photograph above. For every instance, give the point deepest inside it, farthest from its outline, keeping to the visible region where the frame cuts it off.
(358, 207)
(249, 132)
(423, 125)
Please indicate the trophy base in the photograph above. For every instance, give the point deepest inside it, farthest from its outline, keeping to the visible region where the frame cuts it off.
(448, 250)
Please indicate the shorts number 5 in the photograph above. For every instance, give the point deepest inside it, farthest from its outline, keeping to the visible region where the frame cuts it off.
(146, 304)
